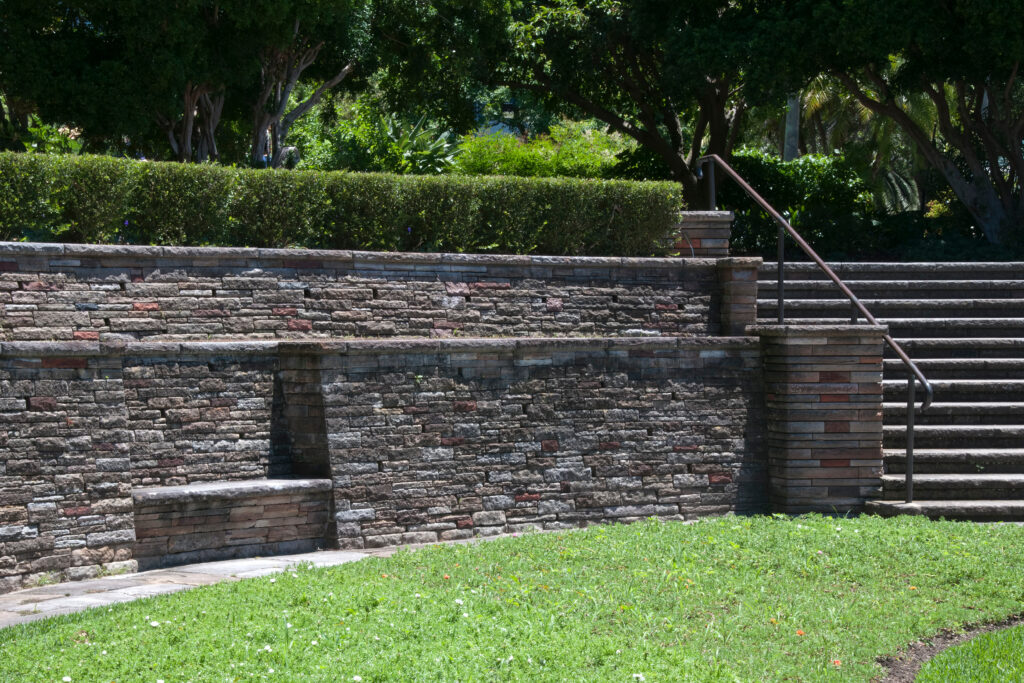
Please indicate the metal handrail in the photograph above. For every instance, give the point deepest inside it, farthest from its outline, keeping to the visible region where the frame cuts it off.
(785, 227)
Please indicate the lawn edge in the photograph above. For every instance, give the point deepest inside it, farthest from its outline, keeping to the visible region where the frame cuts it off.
(904, 666)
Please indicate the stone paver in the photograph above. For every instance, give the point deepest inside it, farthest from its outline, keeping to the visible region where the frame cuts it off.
(38, 603)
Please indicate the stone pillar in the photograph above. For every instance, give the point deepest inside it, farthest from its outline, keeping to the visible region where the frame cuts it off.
(703, 234)
(737, 308)
(823, 400)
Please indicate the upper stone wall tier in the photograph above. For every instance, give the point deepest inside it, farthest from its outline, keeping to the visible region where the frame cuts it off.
(121, 293)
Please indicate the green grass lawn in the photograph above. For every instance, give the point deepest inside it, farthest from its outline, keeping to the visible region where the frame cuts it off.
(728, 599)
(997, 657)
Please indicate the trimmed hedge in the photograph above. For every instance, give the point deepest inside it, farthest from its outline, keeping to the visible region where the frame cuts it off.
(105, 200)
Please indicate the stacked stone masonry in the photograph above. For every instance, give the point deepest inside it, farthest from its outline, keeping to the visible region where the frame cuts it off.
(65, 475)
(112, 293)
(419, 439)
(446, 441)
(170, 405)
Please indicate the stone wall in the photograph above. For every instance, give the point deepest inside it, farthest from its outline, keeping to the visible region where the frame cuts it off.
(452, 439)
(420, 440)
(114, 293)
(514, 392)
(65, 482)
(200, 417)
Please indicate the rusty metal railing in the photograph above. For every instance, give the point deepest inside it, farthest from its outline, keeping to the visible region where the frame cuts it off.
(710, 161)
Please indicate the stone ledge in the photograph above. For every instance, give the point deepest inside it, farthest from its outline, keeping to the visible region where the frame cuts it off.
(227, 490)
(318, 259)
(31, 349)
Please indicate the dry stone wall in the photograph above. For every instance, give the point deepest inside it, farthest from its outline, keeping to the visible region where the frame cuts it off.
(65, 480)
(111, 293)
(155, 400)
(437, 441)
(200, 417)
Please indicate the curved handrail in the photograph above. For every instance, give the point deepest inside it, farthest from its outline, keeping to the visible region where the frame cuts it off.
(785, 226)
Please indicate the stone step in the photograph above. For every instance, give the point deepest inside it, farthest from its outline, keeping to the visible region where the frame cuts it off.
(913, 328)
(953, 436)
(953, 460)
(963, 413)
(961, 347)
(957, 368)
(967, 510)
(902, 289)
(931, 327)
(1005, 486)
(898, 271)
(895, 308)
(958, 390)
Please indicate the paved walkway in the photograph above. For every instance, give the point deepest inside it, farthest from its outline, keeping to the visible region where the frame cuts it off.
(62, 598)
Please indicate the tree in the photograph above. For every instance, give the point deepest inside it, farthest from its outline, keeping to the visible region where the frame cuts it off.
(128, 68)
(667, 73)
(319, 39)
(964, 56)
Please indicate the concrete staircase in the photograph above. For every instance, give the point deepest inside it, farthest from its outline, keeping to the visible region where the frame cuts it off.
(963, 324)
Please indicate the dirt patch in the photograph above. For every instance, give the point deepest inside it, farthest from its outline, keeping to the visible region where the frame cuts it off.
(903, 667)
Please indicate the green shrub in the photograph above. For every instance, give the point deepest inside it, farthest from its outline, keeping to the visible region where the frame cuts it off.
(573, 149)
(103, 200)
(823, 197)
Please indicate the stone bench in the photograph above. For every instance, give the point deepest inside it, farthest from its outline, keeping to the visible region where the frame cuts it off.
(222, 520)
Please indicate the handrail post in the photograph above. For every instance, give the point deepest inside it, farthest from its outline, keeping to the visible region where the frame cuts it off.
(911, 388)
(781, 273)
(712, 192)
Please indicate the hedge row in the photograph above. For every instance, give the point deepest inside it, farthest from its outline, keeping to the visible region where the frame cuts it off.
(106, 200)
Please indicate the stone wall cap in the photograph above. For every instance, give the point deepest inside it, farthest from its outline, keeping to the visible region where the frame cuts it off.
(327, 258)
(50, 348)
(32, 248)
(708, 215)
(227, 490)
(741, 261)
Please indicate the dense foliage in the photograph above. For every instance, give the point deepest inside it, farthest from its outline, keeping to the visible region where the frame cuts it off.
(106, 200)
(570, 149)
(960, 59)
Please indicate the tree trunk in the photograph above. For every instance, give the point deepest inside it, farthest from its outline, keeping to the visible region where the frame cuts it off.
(210, 109)
(791, 149)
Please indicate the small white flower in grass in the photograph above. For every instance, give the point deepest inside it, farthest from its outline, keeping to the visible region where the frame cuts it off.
(639, 677)
(273, 581)
(295, 576)
(288, 625)
(357, 678)
(154, 624)
(267, 648)
(66, 679)
(417, 595)
(313, 643)
(270, 671)
(458, 601)
(159, 680)
(104, 652)
(465, 614)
